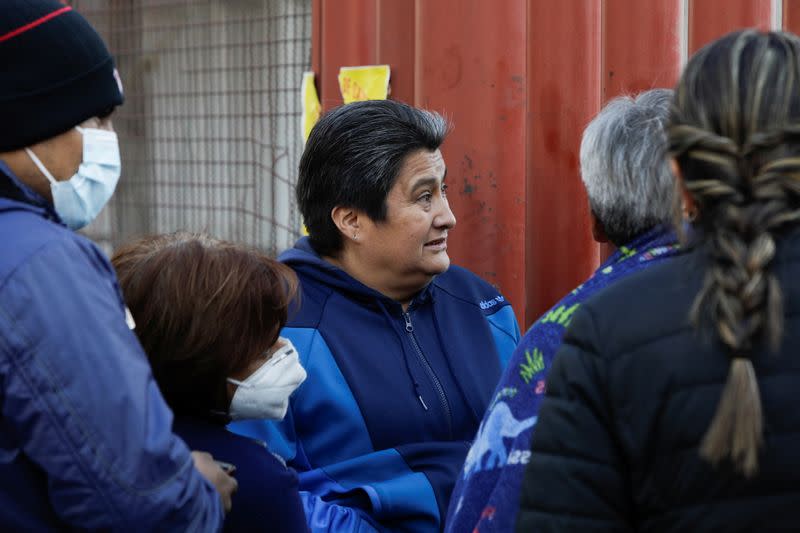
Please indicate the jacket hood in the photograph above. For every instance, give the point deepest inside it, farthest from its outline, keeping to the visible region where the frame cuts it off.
(305, 261)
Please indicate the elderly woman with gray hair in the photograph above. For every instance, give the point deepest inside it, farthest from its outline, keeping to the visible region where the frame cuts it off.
(631, 197)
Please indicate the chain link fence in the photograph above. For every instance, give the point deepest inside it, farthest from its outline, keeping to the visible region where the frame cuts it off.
(210, 131)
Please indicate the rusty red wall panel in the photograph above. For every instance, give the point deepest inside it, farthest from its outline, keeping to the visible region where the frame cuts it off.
(396, 45)
(348, 38)
(791, 16)
(363, 32)
(709, 19)
(563, 94)
(641, 45)
(471, 67)
(316, 39)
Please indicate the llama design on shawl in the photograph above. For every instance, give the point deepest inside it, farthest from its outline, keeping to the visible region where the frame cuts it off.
(500, 425)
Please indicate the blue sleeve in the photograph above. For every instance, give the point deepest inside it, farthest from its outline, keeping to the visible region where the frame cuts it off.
(505, 331)
(332, 517)
(83, 404)
(377, 486)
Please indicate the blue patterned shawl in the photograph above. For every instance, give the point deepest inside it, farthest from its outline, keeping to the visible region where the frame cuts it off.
(486, 495)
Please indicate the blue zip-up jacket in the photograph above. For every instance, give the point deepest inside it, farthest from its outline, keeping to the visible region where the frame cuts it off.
(85, 435)
(381, 426)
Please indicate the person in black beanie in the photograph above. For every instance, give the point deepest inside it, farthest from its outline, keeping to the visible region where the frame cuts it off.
(86, 438)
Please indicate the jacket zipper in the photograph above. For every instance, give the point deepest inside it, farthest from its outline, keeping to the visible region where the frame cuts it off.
(429, 370)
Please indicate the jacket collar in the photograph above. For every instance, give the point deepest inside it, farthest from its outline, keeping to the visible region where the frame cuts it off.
(14, 194)
(304, 259)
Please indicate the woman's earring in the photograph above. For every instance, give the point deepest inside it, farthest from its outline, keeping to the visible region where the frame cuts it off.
(355, 236)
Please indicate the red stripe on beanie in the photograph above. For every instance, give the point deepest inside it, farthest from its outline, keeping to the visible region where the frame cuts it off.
(31, 25)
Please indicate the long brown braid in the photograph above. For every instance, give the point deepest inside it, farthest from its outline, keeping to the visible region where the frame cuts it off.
(735, 132)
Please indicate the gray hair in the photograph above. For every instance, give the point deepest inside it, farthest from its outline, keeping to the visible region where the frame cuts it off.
(624, 165)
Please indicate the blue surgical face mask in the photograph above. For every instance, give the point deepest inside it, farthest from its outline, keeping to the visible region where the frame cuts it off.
(79, 199)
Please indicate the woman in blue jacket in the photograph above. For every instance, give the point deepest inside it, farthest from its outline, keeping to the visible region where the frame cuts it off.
(403, 350)
(208, 314)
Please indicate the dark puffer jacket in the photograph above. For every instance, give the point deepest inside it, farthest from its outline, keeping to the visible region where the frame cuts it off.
(630, 396)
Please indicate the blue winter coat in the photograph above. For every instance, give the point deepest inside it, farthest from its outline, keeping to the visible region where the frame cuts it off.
(381, 427)
(267, 498)
(85, 438)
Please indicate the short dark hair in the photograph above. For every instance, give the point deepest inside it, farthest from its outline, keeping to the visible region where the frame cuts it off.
(204, 309)
(352, 159)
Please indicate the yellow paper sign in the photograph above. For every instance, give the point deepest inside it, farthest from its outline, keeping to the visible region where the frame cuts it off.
(364, 83)
(311, 110)
(311, 107)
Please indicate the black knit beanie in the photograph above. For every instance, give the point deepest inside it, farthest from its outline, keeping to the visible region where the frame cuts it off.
(55, 72)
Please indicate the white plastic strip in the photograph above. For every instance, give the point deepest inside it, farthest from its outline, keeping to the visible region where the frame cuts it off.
(683, 32)
(776, 15)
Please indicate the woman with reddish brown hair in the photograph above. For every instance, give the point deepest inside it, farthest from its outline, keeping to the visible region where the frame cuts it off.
(208, 314)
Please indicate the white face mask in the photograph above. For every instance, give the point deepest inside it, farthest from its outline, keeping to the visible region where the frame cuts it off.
(79, 199)
(265, 393)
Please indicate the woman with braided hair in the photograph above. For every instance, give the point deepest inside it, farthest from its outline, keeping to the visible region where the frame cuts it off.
(671, 405)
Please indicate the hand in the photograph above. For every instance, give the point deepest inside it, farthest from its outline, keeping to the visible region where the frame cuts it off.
(225, 484)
